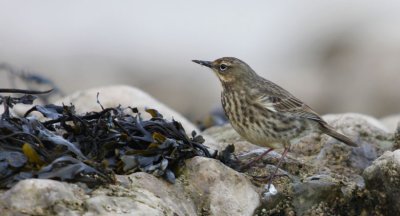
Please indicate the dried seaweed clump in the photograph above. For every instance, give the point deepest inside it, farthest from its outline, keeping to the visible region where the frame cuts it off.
(92, 147)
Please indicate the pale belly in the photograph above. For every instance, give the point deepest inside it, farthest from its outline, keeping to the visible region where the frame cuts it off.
(263, 127)
(259, 137)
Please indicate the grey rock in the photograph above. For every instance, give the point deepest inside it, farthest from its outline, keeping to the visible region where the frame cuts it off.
(140, 194)
(321, 174)
(390, 121)
(351, 120)
(224, 136)
(42, 197)
(382, 178)
(371, 136)
(313, 191)
(205, 187)
(110, 205)
(217, 189)
(396, 142)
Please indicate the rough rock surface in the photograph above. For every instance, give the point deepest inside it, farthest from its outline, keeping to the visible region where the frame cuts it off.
(320, 176)
(205, 187)
(397, 137)
(139, 194)
(218, 190)
(323, 175)
(382, 179)
(42, 197)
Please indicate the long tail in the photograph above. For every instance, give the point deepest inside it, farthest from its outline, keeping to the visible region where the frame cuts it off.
(331, 132)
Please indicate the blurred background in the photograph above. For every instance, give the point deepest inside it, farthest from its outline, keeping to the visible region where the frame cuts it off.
(338, 56)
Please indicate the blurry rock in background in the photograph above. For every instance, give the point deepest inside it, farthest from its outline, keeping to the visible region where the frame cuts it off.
(216, 117)
(337, 56)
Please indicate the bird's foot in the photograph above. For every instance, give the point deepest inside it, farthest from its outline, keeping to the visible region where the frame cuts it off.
(252, 162)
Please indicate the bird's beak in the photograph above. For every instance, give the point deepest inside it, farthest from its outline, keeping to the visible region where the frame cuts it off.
(204, 63)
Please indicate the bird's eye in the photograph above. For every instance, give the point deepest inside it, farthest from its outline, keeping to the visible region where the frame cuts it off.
(223, 67)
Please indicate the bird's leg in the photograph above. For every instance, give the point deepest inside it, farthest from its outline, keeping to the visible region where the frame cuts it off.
(244, 167)
(277, 167)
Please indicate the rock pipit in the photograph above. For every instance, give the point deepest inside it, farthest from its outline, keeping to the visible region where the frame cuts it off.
(262, 112)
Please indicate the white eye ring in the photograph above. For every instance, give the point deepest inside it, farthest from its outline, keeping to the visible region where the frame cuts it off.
(223, 67)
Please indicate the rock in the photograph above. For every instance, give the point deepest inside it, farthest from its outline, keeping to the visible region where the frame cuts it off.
(313, 191)
(205, 187)
(371, 136)
(140, 194)
(110, 205)
(218, 190)
(397, 138)
(321, 174)
(382, 178)
(391, 121)
(224, 136)
(112, 96)
(42, 197)
(348, 121)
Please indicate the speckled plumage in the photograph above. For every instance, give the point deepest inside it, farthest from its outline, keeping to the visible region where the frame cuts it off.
(259, 125)
(261, 111)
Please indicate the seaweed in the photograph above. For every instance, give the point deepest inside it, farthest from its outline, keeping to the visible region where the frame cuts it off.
(92, 147)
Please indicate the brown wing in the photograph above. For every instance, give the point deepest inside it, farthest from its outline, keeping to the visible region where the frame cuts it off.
(276, 99)
(289, 105)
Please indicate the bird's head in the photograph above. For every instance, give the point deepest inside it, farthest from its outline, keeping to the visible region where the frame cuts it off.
(229, 70)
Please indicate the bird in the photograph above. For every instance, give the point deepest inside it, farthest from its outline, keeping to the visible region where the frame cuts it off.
(264, 113)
